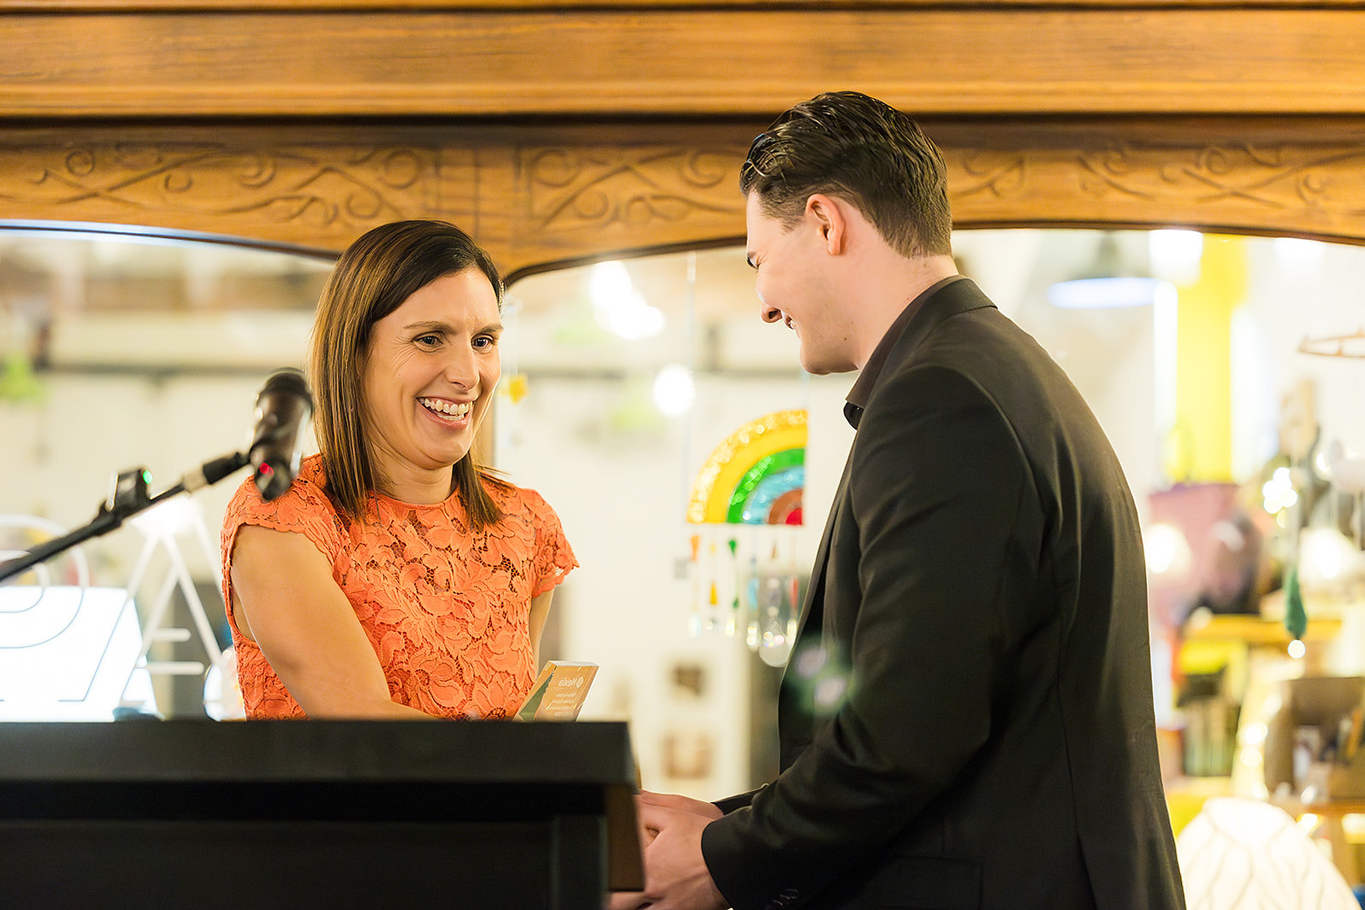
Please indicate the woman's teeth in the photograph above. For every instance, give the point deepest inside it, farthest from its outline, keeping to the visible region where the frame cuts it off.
(445, 408)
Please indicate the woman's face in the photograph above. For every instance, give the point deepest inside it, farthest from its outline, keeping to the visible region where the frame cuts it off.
(430, 371)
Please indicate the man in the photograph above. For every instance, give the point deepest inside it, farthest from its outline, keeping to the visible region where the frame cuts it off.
(980, 591)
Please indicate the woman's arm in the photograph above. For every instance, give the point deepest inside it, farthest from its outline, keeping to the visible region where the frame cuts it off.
(285, 599)
(540, 609)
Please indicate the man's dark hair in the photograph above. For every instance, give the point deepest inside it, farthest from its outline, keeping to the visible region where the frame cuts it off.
(864, 151)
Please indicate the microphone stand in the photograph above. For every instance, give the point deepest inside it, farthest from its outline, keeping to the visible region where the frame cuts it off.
(127, 498)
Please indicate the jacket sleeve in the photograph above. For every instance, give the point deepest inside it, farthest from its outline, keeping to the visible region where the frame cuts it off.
(939, 490)
(738, 801)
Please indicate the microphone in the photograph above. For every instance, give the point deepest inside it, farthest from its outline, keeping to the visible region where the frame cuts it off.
(211, 472)
(283, 410)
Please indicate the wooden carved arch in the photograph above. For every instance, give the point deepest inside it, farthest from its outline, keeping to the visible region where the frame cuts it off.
(563, 129)
(540, 196)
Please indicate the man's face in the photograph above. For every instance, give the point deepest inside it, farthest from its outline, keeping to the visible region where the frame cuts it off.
(796, 285)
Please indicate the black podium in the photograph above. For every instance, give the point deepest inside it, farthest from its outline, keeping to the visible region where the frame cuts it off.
(326, 814)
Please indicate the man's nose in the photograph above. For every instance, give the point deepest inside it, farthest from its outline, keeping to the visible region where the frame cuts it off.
(769, 313)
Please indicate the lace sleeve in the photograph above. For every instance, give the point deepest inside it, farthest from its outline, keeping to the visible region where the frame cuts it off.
(304, 509)
(553, 559)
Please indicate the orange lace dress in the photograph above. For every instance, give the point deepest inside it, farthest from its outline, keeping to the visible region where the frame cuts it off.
(447, 610)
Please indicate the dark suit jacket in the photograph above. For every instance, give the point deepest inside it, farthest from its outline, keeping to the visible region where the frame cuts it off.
(981, 591)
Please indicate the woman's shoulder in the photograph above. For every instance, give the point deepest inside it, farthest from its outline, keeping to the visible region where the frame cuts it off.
(528, 518)
(513, 499)
(306, 495)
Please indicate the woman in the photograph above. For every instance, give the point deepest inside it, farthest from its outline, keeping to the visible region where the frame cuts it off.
(395, 578)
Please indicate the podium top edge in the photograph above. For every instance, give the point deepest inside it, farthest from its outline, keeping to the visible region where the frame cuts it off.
(466, 752)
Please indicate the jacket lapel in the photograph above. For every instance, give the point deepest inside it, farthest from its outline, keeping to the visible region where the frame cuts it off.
(813, 603)
(957, 297)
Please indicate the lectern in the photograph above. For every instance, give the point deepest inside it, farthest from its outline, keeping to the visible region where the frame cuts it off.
(327, 814)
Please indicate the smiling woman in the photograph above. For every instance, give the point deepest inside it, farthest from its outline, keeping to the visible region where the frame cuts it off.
(430, 373)
(396, 578)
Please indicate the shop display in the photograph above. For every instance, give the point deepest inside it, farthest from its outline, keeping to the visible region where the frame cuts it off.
(746, 504)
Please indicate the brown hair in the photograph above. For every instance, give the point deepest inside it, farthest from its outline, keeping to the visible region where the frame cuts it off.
(372, 278)
(849, 145)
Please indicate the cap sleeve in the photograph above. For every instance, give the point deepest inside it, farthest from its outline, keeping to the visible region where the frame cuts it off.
(304, 509)
(553, 559)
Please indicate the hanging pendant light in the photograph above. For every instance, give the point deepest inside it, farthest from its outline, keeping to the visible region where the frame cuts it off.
(1107, 283)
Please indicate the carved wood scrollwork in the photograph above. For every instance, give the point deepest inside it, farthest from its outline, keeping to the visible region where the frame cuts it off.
(993, 174)
(627, 191)
(1310, 188)
(1280, 177)
(322, 191)
(540, 197)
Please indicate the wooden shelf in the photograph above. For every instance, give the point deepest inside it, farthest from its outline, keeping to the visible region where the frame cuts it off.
(1255, 630)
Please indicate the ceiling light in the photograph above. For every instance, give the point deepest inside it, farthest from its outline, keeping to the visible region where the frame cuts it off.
(674, 390)
(1107, 283)
(1176, 254)
(618, 306)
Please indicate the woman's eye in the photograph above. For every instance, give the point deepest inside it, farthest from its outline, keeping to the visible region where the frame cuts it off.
(428, 340)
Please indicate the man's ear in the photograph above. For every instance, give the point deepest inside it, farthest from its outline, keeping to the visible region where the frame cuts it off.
(828, 217)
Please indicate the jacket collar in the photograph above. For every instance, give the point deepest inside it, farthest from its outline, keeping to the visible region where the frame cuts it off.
(954, 294)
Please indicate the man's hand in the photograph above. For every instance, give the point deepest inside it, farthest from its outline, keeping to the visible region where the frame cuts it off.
(676, 877)
(681, 803)
(627, 900)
